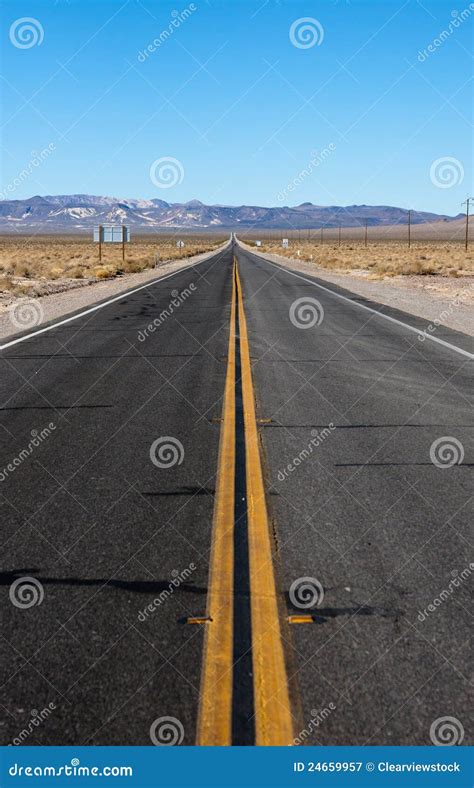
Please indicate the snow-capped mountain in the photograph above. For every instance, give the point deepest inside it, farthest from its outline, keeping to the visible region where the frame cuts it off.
(71, 213)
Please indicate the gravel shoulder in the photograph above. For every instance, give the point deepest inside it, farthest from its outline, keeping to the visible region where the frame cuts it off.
(75, 295)
(445, 299)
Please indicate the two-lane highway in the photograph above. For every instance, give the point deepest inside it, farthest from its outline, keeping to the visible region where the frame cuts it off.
(239, 448)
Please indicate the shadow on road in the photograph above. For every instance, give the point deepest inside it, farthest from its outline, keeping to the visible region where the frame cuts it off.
(136, 586)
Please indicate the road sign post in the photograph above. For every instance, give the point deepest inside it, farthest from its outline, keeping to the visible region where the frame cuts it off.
(466, 244)
(124, 232)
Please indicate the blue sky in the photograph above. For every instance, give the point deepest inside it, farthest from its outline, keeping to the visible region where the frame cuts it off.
(243, 109)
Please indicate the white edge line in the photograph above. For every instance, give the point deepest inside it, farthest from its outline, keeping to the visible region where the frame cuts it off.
(368, 308)
(106, 303)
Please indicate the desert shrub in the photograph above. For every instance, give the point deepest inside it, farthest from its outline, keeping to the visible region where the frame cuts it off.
(22, 269)
(76, 272)
(26, 289)
(6, 283)
(133, 266)
(104, 272)
(56, 272)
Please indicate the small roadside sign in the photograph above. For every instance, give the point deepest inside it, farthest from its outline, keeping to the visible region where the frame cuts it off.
(284, 243)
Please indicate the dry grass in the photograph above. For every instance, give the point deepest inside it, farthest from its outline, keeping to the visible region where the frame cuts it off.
(28, 265)
(382, 259)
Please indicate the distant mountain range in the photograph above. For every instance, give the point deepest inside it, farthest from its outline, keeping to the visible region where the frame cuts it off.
(75, 212)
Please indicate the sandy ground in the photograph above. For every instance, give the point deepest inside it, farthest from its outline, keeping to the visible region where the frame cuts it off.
(382, 259)
(444, 298)
(18, 314)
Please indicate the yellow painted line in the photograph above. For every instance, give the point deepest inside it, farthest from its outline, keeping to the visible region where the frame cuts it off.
(215, 704)
(198, 620)
(273, 721)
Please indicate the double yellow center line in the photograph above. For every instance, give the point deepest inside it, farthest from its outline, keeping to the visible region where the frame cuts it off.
(271, 712)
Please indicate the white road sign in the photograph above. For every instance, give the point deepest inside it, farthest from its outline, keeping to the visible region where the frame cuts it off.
(112, 233)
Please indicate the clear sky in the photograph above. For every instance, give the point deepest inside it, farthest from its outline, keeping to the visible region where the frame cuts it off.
(240, 101)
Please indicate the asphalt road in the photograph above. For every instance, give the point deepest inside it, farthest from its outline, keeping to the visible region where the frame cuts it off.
(358, 507)
(366, 513)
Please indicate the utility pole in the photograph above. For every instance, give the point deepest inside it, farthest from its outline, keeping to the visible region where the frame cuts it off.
(365, 240)
(409, 228)
(339, 235)
(322, 237)
(467, 221)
